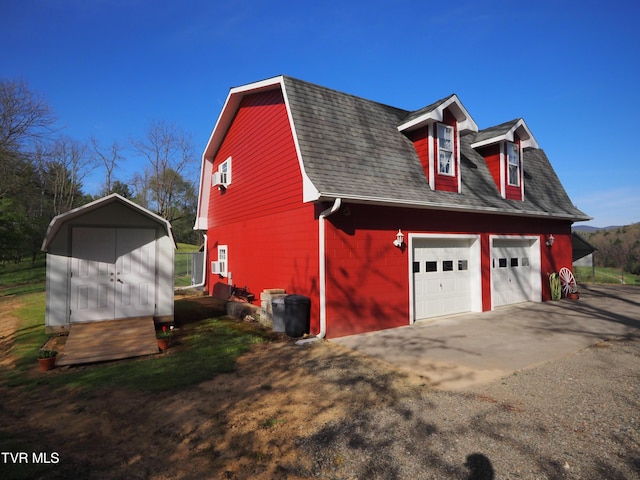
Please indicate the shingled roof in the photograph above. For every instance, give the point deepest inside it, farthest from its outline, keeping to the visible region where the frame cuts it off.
(351, 148)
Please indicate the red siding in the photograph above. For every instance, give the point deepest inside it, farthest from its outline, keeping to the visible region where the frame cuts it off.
(272, 237)
(368, 278)
(420, 139)
(447, 183)
(491, 156)
(265, 171)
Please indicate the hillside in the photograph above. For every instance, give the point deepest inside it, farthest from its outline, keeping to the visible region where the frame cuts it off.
(618, 247)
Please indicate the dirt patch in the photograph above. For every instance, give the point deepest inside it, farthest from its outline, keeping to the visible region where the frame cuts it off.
(8, 327)
(246, 424)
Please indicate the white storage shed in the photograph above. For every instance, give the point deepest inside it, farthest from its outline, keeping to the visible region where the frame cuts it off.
(109, 259)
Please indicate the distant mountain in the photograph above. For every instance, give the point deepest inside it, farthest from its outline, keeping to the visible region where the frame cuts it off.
(589, 228)
(618, 247)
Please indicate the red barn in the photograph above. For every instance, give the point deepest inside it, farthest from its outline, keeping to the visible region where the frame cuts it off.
(381, 216)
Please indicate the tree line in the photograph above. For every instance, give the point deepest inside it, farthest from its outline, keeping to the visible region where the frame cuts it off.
(42, 172)
(617, 247)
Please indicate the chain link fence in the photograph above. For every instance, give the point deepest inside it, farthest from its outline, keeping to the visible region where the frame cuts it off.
(188, 268)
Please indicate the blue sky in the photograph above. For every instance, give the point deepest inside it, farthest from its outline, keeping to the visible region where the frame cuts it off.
(569, 68)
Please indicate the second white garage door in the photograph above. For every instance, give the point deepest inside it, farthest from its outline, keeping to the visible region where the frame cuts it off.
(443, 272)
(515, 271)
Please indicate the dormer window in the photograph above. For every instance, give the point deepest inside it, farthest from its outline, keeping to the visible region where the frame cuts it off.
(513, 161)
(435, 131)
(446, 164)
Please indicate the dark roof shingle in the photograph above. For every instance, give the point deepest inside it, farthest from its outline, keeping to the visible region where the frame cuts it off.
(351, 148)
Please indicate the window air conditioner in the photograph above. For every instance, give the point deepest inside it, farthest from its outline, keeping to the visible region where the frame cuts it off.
(217, 268)
(217, 179)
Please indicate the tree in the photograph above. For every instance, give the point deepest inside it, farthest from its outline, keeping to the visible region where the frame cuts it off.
(66, 165)
(25, 117)
(169, 153)
(109, 158)
(122, 189)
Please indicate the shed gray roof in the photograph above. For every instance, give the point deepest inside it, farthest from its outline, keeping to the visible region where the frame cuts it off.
(59, 220)
(351, 148)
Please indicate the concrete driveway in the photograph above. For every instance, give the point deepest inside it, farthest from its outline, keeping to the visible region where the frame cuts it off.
(463, 351)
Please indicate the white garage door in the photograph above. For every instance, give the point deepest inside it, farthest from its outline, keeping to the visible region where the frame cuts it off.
(441, 277)
(511, 272)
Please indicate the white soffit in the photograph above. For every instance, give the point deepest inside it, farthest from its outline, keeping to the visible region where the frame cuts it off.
(465, 122)
(520, 127)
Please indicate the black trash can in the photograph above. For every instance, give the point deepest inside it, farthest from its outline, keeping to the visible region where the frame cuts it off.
(297, 310)
(277, 307)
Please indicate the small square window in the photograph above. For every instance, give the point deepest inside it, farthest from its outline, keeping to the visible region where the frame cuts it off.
(447, 265)
(463, 265)
(514, 262)
(502, 262)
(431, 266)
(525, 261)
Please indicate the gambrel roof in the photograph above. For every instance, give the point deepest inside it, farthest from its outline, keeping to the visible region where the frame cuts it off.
(356, 149)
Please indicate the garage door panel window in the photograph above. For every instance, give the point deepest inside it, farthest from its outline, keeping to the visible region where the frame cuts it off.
(431, 267)
(447, 265)
(525, 261)
(463, 265)
(514, 262)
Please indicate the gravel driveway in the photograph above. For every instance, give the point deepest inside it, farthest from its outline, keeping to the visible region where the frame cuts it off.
(577, 418)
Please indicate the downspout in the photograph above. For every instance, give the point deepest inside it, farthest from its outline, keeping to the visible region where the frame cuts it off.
(323, 271)
(204, 268)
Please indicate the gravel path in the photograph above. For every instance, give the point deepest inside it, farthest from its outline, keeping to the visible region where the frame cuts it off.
(574, 418)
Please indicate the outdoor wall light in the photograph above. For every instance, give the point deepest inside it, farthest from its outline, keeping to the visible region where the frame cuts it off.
(550, 241)
(399, 241)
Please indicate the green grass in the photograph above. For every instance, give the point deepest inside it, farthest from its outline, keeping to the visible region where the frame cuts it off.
(29, 337)
(605, 275)
(201, 350)
(207, 348)
(23, 278)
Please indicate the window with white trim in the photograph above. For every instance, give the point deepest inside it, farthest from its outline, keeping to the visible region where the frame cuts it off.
(513, 161)
(446, 164)
(220, 266)
(223, 175)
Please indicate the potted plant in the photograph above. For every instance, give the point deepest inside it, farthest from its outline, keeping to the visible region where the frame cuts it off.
(163, 337)
(47, 359)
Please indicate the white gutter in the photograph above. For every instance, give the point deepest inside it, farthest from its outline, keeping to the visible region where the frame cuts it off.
(323, 272)
(204, 268)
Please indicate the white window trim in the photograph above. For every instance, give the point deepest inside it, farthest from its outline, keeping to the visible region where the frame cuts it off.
(453, 162)
(223, 175)
(221, 266)
(511, 146)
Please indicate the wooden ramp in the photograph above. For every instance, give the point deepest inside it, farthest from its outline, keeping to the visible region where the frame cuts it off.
(108, 340)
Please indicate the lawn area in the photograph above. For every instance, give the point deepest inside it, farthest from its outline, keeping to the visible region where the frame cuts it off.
(23, 278)
(605, 275)
(208, 346)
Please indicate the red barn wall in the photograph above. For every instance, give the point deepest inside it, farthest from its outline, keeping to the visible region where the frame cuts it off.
(272, 237)
(368, 278)
(491, 156)
(420, 139)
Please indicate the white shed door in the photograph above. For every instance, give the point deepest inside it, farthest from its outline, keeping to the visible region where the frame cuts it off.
(511, 272)
(112, 273)
(442, 280)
